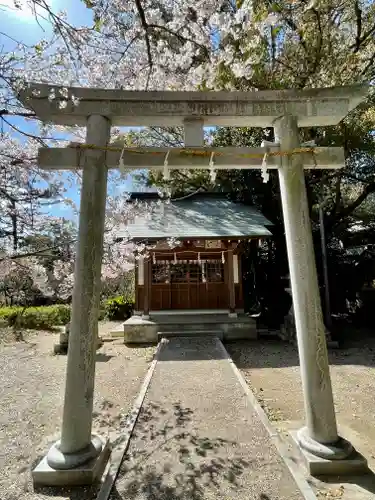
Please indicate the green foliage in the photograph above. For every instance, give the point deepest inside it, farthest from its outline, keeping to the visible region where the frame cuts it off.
(98, 24)
(118, 308)
(38, 49)
(35, 318)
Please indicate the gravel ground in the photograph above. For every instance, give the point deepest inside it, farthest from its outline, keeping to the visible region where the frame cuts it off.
(271, 368)
(31, 397)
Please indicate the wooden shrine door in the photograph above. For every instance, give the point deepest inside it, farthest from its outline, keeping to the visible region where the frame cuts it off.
(185, 280)
(188, 284)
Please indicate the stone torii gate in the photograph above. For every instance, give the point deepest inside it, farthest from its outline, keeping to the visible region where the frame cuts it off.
(79, 457)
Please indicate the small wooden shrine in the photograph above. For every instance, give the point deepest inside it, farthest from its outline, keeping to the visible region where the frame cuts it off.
(195, 257)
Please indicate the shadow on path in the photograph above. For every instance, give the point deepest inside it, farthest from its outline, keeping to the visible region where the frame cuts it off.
(175, 462)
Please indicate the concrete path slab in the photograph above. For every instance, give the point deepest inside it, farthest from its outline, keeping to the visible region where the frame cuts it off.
(198, 436)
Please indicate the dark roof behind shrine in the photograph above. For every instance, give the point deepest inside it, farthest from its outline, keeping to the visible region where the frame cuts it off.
(200, 216)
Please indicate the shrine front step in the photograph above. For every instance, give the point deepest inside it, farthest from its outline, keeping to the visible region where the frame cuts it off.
(191, 333)
(139, 330)
(222, 327)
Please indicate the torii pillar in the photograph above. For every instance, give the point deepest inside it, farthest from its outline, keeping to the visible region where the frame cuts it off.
(78, 458)
(324, 450)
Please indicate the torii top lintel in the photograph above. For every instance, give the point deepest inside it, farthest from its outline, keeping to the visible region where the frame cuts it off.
(313, 107)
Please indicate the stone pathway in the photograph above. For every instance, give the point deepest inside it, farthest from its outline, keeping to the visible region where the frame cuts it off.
(198, 436)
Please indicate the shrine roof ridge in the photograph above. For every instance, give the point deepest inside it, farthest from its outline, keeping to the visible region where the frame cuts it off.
(154, 195)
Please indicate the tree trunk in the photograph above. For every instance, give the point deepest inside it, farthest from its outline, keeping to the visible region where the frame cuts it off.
(14, 225)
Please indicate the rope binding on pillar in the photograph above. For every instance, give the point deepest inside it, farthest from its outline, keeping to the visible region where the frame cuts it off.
(211, 166)
(121, 161)
(312, 145)
(263, 169)
(166, 171)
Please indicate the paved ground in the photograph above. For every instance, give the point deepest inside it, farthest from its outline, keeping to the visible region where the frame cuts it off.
(198, 437)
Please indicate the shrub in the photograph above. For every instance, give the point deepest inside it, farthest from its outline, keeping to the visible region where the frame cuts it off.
(118, 308)
(35, 318)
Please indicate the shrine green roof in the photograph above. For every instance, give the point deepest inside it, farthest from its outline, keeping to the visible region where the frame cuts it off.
(197, 217)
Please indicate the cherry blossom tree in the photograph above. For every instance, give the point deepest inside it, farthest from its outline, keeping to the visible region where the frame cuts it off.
(120, 253)
(25, 191)
(144, 44)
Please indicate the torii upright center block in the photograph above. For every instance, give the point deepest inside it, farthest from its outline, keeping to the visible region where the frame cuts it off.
(78, 457)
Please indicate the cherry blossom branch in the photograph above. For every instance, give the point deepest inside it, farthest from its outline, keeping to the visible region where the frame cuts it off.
(10, 113)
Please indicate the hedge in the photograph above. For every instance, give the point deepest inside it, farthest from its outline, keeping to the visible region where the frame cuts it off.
(36, 318)
(118, 308)
(47, 317)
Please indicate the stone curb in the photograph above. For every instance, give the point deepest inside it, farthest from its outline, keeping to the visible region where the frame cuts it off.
(295, 471)
(117, 454)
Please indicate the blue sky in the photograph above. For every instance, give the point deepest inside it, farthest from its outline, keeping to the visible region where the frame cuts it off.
(21, 26)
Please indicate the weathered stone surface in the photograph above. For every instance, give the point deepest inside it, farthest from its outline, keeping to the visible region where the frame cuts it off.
(62, 346)
(239, 331)
(316, 382)
(140, 330)
(313, 107)
(288, 330)
(117, 332)
(153, 158)
(312, 346)
(84, 474)
(353, 464)
(62, 461)
(80, 374)
(193, 132)
(64, 334)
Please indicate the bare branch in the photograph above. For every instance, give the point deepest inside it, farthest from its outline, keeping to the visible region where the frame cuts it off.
(37, 252)
(337, 192)
(358, 13)
(145, 26)
(38, 139)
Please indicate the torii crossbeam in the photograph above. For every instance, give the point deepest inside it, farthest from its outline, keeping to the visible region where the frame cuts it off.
(284, 110)
(228, 158)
